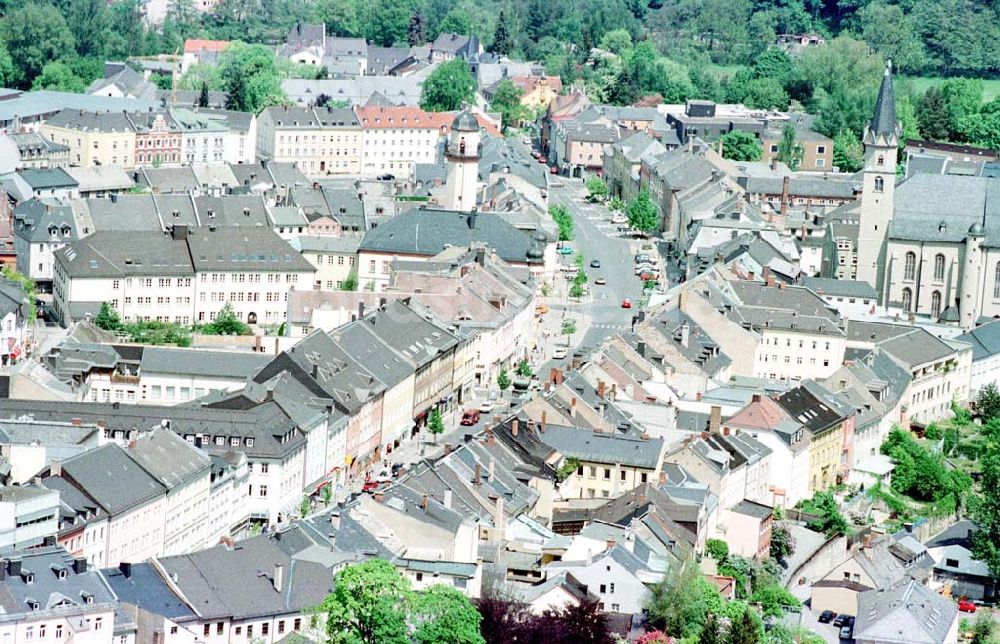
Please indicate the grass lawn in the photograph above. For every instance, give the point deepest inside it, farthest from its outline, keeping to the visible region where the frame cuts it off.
(724, 71)
(991, 86)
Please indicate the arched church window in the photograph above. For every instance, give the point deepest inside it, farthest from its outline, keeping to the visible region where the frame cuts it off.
(910, 266)
(879, 184)
(936, 304)
(939, 267)
(907, 299)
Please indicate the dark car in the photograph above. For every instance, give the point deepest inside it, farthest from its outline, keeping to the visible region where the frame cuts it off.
(595, 263)
(841, 620)
(845, 633)
(826, 616)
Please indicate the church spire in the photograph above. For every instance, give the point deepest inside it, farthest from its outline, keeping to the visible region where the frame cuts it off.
(884, 121)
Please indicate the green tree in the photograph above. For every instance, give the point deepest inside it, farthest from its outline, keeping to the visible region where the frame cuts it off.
(890, 32)
(782, 543)
(984, 506)
(507, 101)
(746, 628)
(503, 379)
(386, 22)
(682, 601)
(774, 600)
(351, 283)
(226, 323)
(716, 549)
(964, 97)
(456, 21)
(740, 146)
(568, 328)
(988, 402)
(642, 213)
(203, 95)
(368, 605)
(711, 633)
(789, 150)
(597, 188)
(304, 506)
(35, 34)
(108, 318)
(443, 615)
(848, 153)
(829, 520)
(618, 41)
(983, 628)
(435, 423)
(448, 87)
(920, 473)
(564, 221)
(88, 22)
(524, 369)
(58, 76)
(249, 74)
(774, 63)
(932, 115)
(502, 42)
(765, 94)
(576, 290)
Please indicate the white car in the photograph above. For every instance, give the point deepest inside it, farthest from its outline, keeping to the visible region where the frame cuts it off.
(559, 353)
(619, 219)
(486, 407)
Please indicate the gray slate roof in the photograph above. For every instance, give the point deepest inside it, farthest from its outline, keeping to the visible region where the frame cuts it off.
(985, 340)
(112, 479)
(906, 613)
(169, 458)
(835, 287)
(602, 447)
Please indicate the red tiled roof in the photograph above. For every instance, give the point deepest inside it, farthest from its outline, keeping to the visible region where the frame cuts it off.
(374, 117)
(193, 45)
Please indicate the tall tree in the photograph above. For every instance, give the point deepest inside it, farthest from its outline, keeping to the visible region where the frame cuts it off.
(502, 43)
(368, 605)
(448, 87)
(415, 30)
(890, 33)
(789, 150)
(848, 153)
(507, 101)
(988, 402)
(203, 95)
(88, 21)
(35, 34)
(443, 615)
(58, 76)
(250, 75)
(642, 213)
(711, 633)
(932, 115)
(985, 506)
(745, 628)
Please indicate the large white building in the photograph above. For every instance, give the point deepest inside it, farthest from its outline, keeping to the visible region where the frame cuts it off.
(186, 276)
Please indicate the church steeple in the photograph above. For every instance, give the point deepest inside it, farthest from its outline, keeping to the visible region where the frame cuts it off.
(884, 128)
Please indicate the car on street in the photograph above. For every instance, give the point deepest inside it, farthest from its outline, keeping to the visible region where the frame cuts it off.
(486, 406)
(843, 620)
(626, 303)
(619, 219)
(646, 276)
(826, 616)
(470, 417)
(845, 632)
(553, 170)
(641, 258)
(600, 281)
(565, 250)
(559, 353)
(644, 268)
(595, 263)
(966, 606)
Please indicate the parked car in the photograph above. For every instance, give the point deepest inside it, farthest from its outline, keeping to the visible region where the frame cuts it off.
(565, 250)
(626, 303)
(595, 263)
(470, 417)
(966, 606)
(619, 219)
(826, 616)
(486, 406)
(600, 281)
(641, 257)
(370, 485)
(559, 353)
(845, 632)
(841, 620)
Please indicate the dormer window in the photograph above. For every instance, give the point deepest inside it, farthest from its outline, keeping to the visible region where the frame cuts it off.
(249, 442)
(87, 597)
(881, 160)
(29, 577)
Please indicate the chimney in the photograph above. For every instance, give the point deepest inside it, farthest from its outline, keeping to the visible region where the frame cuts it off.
(614, 392)
(514, 424)
(279, 577)
(784, 196)
(663, 477)
(774, 163)
(80, 565)
(126, 569)
(499, 521)
(697, 395)
(755, 398)
(361, 310)
(490, 440)
(572, 407)
(56, 468)
(714, 419)
(478, 476)
(447, 499)
(447, 449)
(423, 502)
(541, 427)
(600, 389)
(611, 542)
(685, 334)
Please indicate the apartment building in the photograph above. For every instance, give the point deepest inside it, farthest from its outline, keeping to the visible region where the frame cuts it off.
(41, 227)
(395, 139)
(183, 277)
(831, 425)
(320, 141)
(94, 138)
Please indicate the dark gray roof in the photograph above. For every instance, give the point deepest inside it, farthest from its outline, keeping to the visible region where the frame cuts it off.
(847, 288)
(829, 186)
(244, 248)
(125, 253)
(601, 447)
(884, 121)
(165, 180)
(12, 297)
(427, 231)
(41, 220)
(145, 587)
(942, 208)
(45, 178)
(189, 362)
(112, 479)
(753, 509)
(985, 340)
(46, 587)
(811, 405)
(417, 339)
(169, 458)
(360, 340)
(907, 612)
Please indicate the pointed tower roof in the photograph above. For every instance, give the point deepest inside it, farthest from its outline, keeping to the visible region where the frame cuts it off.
(884, 120)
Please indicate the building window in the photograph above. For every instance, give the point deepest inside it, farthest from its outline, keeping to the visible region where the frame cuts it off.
(996, 282)
(935, 304)
(879, 184)
(907, 299)
(910, 266)
(939, 267)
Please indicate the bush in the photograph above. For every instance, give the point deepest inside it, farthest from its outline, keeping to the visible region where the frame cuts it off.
(716, 549)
